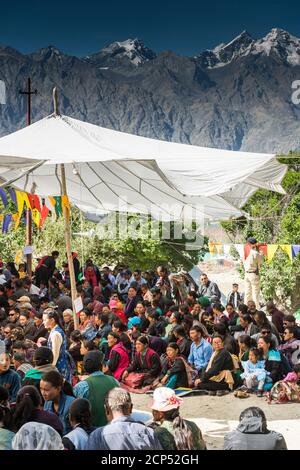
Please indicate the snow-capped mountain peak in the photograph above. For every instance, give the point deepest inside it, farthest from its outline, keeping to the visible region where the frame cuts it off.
(132, 50)
(226, 53)
(282, 43)
(277, 41)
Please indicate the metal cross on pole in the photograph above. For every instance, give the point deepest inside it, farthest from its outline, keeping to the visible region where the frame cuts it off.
(29, 92)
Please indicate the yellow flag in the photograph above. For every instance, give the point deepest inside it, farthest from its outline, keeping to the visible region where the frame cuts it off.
(271, 250)
(212, 248)
(16, 218)
(36, 217)
(66, 203)
(26, 200)
(20, 202)
(19, 257)
(288, 250)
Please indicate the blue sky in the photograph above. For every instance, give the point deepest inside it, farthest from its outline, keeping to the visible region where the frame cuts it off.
(186, 27)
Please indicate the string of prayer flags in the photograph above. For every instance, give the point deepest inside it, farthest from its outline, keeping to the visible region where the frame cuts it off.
(36, 206)
(269, 250)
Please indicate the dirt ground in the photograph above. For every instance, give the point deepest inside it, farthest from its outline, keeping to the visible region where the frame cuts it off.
(217, 415)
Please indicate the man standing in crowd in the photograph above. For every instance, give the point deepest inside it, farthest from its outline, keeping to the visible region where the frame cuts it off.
(252, 265)
(235, 297)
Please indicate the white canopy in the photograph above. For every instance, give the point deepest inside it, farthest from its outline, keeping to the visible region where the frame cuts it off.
(112, 170)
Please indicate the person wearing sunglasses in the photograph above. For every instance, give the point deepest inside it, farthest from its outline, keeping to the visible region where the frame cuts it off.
(13, 316)
(290, 347)
(266, 331)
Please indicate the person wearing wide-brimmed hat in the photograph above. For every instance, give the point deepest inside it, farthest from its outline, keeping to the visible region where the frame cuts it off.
(252, 265)
(173, 432)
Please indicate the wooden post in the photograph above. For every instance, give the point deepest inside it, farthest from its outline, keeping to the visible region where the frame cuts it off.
(67, 224)
(68, 244)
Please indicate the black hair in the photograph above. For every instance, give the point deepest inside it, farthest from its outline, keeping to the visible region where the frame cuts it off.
(179, 330)
(19, 345)
(55, 253)
(76, 336)
(243, 308)
(218, 306)
(229, 304)
(114, 335)
(178, 316)
(247, 340)
(119, 325)
(257, 353)
(88, 312)
(267, 339)
(52, 314)
(80, 411)
(290, 318)
(18, 283)
(197, 328)
(28, 398)
(55, 292)
(183, 436)
(12, 267)
(247, 317)
(89, 345)
(291, 329)
(20, 357)
(25, 314)
(104, 318)
(43, 356)
(38, 315)
(220, 328)
(144, 340)
(173, 346)
(154, 315)
(255, 412)
(261, 320)
(56, 380)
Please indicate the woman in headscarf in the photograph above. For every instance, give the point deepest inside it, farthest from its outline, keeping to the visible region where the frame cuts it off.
(37, 436)
(173, 432)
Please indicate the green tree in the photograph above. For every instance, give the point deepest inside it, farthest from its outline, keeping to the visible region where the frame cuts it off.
(275, 218)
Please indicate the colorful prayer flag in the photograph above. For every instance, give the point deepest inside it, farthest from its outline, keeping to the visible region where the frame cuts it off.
(271, 252)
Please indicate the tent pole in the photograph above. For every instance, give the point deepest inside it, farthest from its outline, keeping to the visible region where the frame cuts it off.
(28, 93)
(66, 216)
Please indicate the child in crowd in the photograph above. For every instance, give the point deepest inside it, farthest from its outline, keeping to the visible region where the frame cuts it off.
(254, 374)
